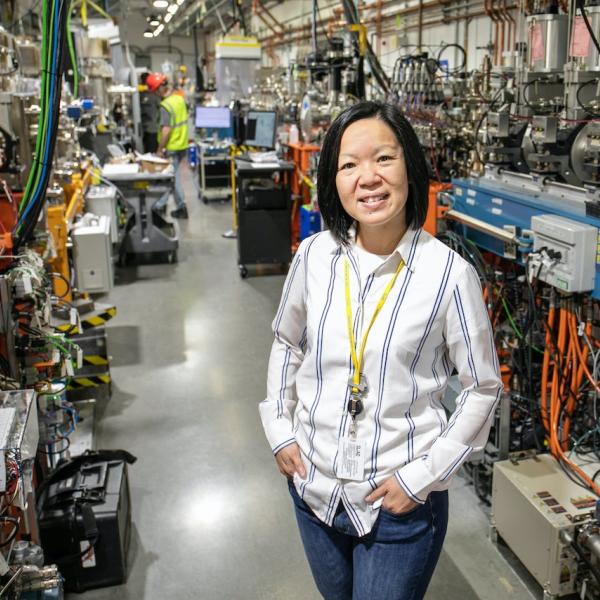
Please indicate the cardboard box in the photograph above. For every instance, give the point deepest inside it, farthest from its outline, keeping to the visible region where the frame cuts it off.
(153, 164)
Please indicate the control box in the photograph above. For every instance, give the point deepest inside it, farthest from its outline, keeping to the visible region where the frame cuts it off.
(564, 253)
(102, 200)
(92, 253)
(533, 500)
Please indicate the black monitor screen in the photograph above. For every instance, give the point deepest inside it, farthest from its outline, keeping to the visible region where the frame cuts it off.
(260, 128)
(213, 117)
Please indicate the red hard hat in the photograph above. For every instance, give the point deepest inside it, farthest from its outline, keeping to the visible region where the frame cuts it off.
(155, 80)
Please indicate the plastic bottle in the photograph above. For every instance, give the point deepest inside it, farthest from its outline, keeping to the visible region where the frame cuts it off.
(294, 134)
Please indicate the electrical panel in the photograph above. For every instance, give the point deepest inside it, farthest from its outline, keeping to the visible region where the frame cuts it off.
(93, 255)
(102, 200)
(564, 253)
(533, 500)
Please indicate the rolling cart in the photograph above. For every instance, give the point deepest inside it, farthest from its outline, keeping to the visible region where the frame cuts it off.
(263, 201)
(215, 173)
(146, 231)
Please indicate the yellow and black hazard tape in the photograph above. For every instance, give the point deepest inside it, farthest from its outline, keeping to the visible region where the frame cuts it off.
(78, 383)
(88, 322)
(96, 360)
(97, 320)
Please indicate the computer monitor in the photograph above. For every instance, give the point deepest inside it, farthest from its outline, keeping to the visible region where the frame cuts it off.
(213, 117)
(260, 128)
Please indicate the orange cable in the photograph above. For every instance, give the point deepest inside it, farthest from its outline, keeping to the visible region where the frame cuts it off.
(583, 362)
(545, 369)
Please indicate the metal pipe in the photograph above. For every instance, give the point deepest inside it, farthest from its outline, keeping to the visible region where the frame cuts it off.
(432, 23)
(420, 40)
(483, 226)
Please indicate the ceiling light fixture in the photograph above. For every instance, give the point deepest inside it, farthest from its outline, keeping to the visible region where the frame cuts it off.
(173, 8)
(153, 21)
(148, 33)
(168, 17)
(158, 30)
(160, 3)
(180, 2)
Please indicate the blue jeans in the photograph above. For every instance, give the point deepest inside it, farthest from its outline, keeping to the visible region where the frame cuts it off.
(395, 561)
(178, 159)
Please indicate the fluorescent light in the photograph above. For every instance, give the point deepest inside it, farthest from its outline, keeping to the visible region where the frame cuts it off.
(160, 3)
(168, 17)
(148, 33)
(154, 23)
(158, 30)
(173, 8)
(180, 2)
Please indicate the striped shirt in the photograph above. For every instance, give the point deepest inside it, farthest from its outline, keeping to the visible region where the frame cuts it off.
(433, 321)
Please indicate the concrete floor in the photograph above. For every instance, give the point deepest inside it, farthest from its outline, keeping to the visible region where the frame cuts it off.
(212, 516)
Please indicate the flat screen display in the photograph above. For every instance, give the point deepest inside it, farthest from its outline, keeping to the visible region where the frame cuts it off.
(213, 117)
(260, 128)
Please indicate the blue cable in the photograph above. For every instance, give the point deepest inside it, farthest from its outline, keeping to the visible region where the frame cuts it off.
(45, 165)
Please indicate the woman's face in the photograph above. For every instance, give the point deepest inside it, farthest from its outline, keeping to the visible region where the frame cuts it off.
(371, 176)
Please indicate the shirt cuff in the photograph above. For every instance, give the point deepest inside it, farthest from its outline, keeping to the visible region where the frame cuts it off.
(412, 479)
(279, 430)
(284, 445)
(432, 472)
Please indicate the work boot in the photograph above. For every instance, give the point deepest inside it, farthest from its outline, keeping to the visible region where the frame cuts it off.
(180, 213)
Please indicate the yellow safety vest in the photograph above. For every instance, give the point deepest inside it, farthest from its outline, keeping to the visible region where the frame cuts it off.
(178, 121)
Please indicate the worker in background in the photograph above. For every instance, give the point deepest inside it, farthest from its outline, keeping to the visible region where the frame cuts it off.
(172, 138)
(149, 114)
(182, 81)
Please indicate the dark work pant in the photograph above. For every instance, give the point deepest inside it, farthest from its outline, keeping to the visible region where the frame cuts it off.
(150, 142)
(395, 561)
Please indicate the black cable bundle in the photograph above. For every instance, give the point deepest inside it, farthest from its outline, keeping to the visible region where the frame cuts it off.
(382, 79)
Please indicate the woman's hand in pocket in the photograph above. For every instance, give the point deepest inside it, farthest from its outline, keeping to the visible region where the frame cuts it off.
(395, 500)
(289, 461)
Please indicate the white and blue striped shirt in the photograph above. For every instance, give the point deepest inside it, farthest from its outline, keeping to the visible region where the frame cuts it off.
(434, 320)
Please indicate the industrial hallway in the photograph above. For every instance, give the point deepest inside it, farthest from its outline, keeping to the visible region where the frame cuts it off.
(212, 516)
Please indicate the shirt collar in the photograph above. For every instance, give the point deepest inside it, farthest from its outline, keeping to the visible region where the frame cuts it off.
(406, 248)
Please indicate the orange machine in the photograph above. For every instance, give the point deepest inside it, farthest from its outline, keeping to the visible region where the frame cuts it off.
(300, 154)
(60, 219)
(434, 211)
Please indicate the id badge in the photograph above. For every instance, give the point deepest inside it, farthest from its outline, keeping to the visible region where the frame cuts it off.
(352, 464)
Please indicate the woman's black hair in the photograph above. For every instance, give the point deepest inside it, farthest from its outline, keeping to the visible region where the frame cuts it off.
(337, 219)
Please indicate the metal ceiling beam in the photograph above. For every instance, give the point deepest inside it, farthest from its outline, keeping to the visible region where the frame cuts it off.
(190, 12)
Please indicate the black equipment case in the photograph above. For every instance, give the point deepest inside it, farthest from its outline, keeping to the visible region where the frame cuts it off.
(86, 502)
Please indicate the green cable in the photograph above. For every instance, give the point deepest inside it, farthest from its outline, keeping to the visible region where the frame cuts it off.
(66, 353)
(35, 165)
(72, 53)
(514, 326)
(46, 95)
(35, 174)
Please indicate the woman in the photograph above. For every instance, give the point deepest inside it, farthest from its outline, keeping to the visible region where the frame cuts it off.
(375, 315)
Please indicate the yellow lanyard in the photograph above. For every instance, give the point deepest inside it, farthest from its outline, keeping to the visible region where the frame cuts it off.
(357, 359)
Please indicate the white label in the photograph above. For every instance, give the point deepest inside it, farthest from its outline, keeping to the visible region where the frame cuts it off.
(472, 193)
(69, 367)
(496, 211)
(88, 560)
(352, 459)
(458, 191)
(79, 358)
(497, 201)
(27, 287)
(73, 315)
(470, 202)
